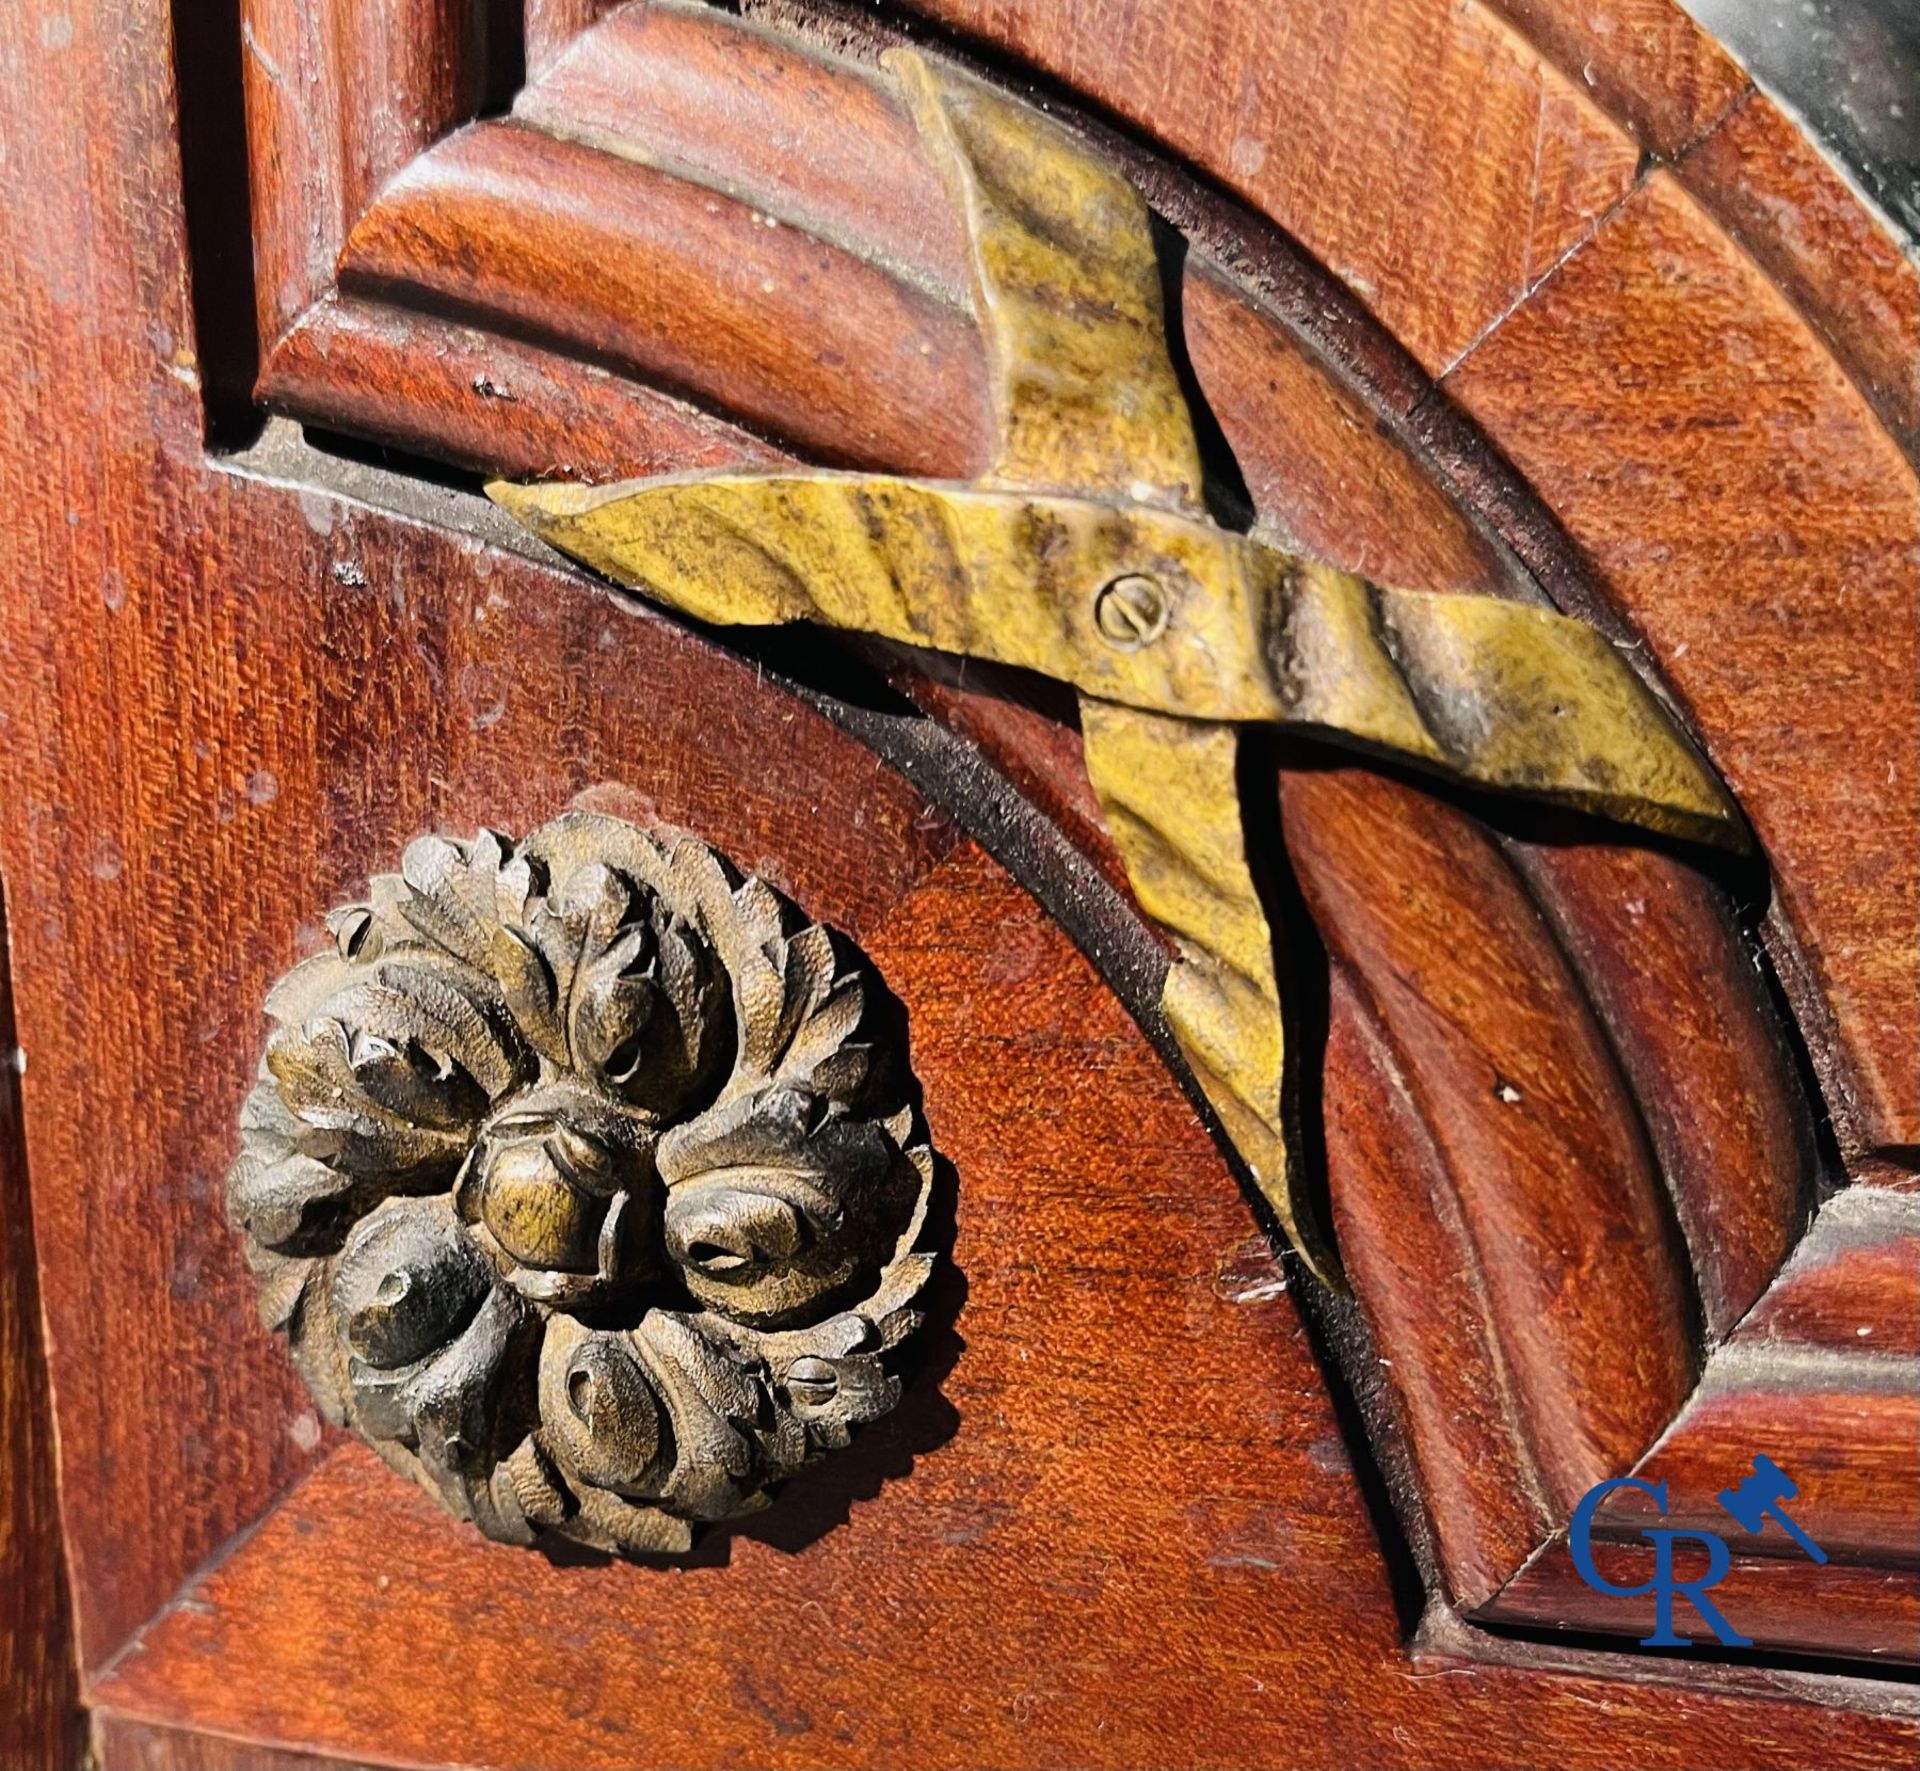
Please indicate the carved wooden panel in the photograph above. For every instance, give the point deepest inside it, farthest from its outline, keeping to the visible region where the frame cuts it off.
(1645, 1092)
(1599, 1214)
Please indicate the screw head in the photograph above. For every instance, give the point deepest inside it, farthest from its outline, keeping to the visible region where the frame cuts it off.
(1130, 611)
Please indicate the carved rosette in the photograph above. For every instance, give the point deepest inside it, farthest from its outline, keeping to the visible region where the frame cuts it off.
(580, 1187)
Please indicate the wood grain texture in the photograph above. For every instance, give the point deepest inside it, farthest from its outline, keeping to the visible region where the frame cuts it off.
(1331, 121)
(1172, 1474)
(39, 1682)
(1853, 1284)
(1028, 728)
(727, 104)
(438, 388)
(1397, 1213)
(1843, 1428)
(1687, 1014)
(551, 25)
(1557, 1189)
(1645, 62)
(1785, 1604)
(681, 285)
(120, 1743)
(406, 681)
(1757, 527)
(700, 118)
(1322, 475)
(395, 78)
(322, 655)
(1780, 196)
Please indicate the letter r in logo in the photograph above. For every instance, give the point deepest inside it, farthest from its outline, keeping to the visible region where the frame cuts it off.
(1664, 1583)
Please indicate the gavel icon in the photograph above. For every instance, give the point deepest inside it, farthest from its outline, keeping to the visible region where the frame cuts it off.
(1757, 1499)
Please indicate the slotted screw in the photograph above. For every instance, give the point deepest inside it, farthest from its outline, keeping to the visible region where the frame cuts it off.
(1130, 611)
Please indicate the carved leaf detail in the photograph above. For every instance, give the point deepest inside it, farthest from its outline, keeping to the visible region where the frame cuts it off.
(537, 1096)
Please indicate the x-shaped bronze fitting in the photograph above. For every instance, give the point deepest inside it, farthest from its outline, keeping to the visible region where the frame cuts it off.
(1086, 554)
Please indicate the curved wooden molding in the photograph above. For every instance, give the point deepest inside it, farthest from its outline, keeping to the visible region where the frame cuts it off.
(1566, 1141)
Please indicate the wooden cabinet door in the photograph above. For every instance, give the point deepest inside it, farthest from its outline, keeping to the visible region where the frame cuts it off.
(1532, 300)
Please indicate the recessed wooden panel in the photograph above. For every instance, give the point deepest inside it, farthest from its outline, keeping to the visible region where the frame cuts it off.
(240, 694)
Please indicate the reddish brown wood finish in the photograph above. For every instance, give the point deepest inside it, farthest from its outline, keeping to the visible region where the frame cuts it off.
(413, 683)
(1645, 62)
(1781, 197)
(1686, 1012)
(1763, 1597)
(1794, 658)
(1853, 1284)
(1324, 474)
(990, 1595)
(699, 114)
(1375, 96)
(1397, 1213)
(449, 390)
(690, 89)
(39, 1684)
(687, 90)
(395, 76)
(1585, 1292)
(683, 285)
(1845, 1430)
(123, 1744)
(1209, 1586)
(552, 24)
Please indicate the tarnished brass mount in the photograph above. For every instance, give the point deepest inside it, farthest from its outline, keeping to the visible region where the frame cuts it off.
(1086, 554)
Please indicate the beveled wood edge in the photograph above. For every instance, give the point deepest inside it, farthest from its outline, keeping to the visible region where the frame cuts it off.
(39, 1651)
(1445, 1641)
(1441, 1642)
(117, 1734)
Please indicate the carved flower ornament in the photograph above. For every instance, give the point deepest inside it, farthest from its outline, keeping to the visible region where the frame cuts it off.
(577, 1188)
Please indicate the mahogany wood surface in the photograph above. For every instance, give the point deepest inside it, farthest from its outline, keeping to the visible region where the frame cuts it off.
(397, 684)
(1121, 1563)
(1762, 1592)
(1132, 1531)
(1559, 1196)
(1787, 203)
(664, 312)
(1377, 95)
(1853, 1283)
(397, 77)
(1645, 62)
(687, 89)
(39, 1692)
(1863, 1506)
(682, 284)
(1657, 333)
(1709, 1065)
(442, 388)
(1398, 1216)
(131, 1745)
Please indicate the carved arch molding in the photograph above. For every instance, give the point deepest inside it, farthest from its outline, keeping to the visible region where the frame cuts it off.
(1618, 1143)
